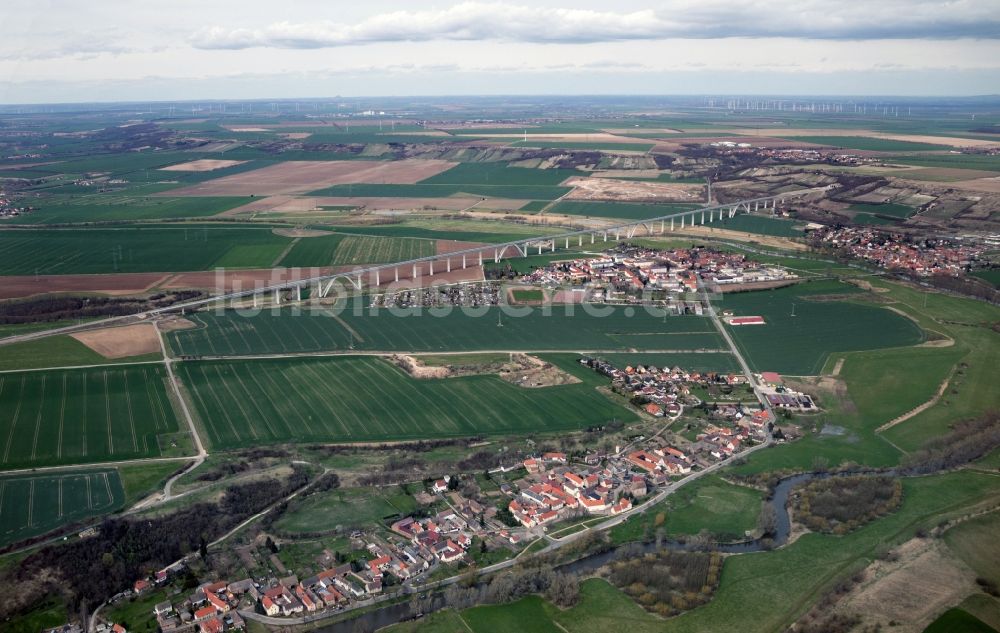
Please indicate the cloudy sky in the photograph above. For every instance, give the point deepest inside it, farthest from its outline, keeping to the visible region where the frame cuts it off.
(101, 50)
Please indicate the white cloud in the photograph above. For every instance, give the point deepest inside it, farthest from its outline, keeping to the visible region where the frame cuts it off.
(674, 19)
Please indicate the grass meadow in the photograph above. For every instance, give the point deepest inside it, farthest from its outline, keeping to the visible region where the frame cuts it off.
(83, 415)
(363, 399)
(616, 210)
(346, 507)
(421, 190)
(34, 504)
(413, 330)
(799, 345)
(135, 250)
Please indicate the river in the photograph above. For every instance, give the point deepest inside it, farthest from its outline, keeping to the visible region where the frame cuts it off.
(391, 614)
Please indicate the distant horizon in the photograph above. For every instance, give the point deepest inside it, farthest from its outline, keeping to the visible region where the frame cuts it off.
(65, 52)
(798, 98)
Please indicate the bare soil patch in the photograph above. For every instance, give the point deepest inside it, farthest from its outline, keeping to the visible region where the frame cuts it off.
(304, 176)
(204, 164)
(632, 191)
(450, 246)
(912, 590)
(121, 342)
(521, 370)
(315, 204)
(297, 136)
(300, 232)
(230, 281)
(120, 284)
(172, 323)
(988, 185)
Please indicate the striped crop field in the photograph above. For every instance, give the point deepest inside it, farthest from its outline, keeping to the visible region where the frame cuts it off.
(82, 415)
(366, 249)
(455, 330)
(366, 399)
(342, 250)
(35, 504)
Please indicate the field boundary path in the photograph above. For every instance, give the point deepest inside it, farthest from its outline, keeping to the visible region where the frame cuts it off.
(198, 459)
(917, 410)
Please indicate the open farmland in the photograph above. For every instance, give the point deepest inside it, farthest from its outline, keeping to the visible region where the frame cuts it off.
(616, 210)
(357, 399)
(421, 190)
(872, 144)
(35, 504)
(303, 176)
(410, 330)
(498, 174)
(136, 250)
(339, 250)
(800, 344)
(83, 415)
(62, 209)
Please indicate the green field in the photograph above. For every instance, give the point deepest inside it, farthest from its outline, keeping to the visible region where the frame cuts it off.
(64, 209)
(340, 250)
(617, 210)
(975, 542)
(799, 345)
(726, 510)
(134, 250)
(869, 143)
(759, 224)
(699, 362)
(596, 145)
(992, 276)
(55, 351)
(82, 415)
(958, 621)
(346, 507)
(461, 230)
(901, 211)
(358, 399)
(413, 330)
(35, 504)
(982, 162)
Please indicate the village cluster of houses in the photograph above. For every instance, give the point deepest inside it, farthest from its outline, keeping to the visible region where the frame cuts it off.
(791, 155)
(10, 209)
(555, 490)
(211, 608)
(887, 250)
(663, 391)
(471, 295)
(626, 272)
